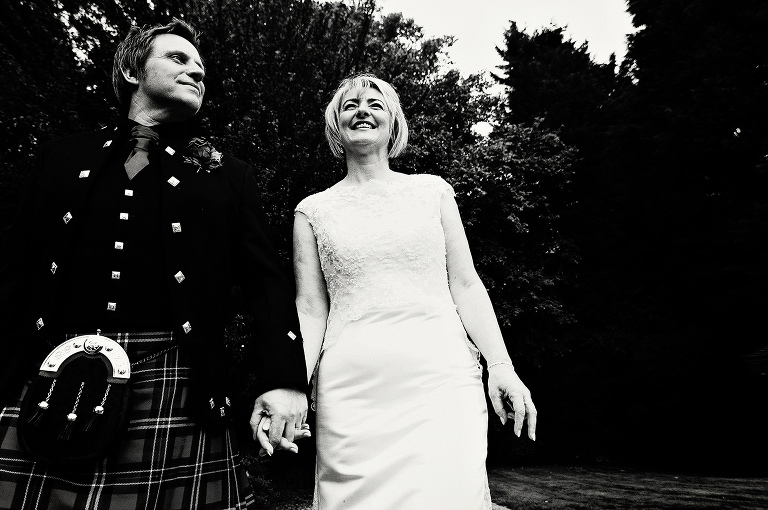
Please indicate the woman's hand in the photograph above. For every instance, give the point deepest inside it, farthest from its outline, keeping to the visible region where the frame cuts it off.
(264, 426)
(286, 410)
(511, 398)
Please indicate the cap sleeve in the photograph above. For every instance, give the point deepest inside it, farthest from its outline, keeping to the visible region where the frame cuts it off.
(308, 207)
(444, 188)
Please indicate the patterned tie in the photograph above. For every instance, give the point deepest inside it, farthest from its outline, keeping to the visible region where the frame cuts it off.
(144, 138)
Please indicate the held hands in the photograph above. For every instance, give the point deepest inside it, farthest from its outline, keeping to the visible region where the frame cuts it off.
(279, 418)
(511, 399)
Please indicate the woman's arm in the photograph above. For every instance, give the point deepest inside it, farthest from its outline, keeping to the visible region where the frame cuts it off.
(476, 312)
(311, 292)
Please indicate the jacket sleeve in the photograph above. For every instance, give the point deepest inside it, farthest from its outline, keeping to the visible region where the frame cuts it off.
(18, 355)
(268, 291)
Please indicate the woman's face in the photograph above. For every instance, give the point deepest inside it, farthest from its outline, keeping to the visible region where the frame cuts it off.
(364, 120)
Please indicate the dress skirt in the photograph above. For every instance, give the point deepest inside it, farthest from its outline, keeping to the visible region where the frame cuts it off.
(165, 461)
(401, 416)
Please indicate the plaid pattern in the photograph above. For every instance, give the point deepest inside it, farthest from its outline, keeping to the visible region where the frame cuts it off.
(165, 461)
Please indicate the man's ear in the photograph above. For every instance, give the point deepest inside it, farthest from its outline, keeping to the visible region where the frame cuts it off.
(130, 76)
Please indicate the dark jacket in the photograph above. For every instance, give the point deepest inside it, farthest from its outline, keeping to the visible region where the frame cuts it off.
(215, 234)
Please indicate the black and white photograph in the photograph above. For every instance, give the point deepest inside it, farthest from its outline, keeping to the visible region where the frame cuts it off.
(383, 255)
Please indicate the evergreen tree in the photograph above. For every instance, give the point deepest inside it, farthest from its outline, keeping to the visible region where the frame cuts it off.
(551, 78)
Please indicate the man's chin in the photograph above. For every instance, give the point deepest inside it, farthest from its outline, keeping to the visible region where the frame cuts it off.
(184, 110)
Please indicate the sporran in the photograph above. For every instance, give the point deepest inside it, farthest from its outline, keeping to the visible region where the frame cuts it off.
(76, 409)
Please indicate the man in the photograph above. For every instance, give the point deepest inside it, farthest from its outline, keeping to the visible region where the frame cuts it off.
(150, 235)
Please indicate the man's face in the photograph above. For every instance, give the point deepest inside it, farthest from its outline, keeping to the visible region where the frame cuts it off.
(173, 79)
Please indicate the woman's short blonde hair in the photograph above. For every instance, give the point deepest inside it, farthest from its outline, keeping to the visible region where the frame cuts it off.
(398, 130)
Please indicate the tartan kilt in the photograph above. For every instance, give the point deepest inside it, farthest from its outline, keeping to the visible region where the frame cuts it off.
(165, 460)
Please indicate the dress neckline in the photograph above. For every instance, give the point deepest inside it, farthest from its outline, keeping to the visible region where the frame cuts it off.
(374, 183)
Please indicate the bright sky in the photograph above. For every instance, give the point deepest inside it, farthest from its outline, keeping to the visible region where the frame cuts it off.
(479, 25)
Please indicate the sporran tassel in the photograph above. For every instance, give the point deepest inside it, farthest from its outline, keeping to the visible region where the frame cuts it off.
(90, 424)
(42, 407)
(66, 432)
(34, 420)
(97, 413)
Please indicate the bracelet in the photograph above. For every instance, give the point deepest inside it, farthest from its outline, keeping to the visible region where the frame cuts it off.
(500, 363)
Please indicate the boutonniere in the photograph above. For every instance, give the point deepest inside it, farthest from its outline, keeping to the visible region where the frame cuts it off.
(202, 155)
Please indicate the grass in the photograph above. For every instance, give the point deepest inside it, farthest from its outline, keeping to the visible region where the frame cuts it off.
(534, 488)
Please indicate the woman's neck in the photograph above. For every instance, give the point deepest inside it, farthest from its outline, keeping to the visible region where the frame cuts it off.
(363, 169)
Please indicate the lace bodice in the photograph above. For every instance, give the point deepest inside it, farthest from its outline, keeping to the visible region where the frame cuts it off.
(381, 246)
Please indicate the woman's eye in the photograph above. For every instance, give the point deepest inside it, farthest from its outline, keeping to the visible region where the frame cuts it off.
(350, 106)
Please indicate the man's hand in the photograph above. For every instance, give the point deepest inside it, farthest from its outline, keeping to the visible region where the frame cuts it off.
(279, 418)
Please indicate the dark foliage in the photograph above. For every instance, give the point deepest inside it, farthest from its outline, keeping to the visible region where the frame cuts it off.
(670, 222)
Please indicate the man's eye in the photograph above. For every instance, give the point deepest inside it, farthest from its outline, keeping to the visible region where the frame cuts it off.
(176, 58)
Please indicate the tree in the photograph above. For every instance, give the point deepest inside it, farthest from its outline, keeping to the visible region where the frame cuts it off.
(551, 78)
(510, 188)
(698, 185)
(669, 220)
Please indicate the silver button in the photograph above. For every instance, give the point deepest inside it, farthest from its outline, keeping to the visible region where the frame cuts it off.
(39, 323)
(123, 215)
(179, 277)
(129, 193)
(187, 327)
(292, 335)
(176, 227)
(67, 217)
(170, 150)
(111, 306)
(107, 144)
(119, 245)
(173, 181)
(115, 275)
(84, 174)
(54, 267)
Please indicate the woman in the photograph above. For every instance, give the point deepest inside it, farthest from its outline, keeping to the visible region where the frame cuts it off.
(387, 290)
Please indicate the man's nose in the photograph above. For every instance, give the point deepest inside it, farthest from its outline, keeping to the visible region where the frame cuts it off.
(196, 72)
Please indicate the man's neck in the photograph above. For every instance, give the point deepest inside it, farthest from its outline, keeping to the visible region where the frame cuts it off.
(146, 118)
(154, 116)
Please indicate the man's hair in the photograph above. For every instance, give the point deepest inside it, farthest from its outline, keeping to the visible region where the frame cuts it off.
(132, 54)
(398, 127)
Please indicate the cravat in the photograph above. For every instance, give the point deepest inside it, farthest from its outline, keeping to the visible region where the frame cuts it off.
(144, 138)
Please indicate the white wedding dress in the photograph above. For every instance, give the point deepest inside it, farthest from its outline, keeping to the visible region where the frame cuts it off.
(401, 413)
